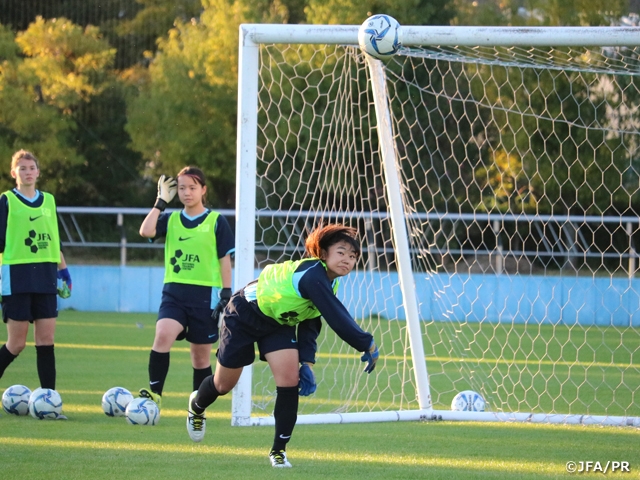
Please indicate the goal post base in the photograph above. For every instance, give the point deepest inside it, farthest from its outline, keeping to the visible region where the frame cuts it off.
(358, 417)
(450, 415)
(523, 417)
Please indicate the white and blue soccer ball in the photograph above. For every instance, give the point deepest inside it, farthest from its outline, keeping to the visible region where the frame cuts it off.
(15, 400)
(45, 403)
(468, 401)
(142, 411)
(380, 36)
(115, 401)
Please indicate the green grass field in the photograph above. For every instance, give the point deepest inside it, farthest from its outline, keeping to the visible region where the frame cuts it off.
(96, 351)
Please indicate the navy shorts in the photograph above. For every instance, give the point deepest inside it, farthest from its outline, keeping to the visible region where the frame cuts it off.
(198, 325)
(242, 327)
(28, 307)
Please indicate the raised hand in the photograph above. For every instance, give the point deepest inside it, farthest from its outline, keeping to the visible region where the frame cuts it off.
(167, 189)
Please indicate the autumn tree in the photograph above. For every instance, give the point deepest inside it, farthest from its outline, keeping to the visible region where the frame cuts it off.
(49, 74)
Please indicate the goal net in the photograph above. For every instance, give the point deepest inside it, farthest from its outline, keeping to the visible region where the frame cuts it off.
(495, 187)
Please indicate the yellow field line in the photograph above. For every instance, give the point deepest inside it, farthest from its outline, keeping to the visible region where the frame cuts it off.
(165, 412)
(70, 407)
(518, 466)
(395, 358)
(65, 323)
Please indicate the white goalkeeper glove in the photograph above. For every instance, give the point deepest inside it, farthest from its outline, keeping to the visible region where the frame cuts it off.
(167, 189)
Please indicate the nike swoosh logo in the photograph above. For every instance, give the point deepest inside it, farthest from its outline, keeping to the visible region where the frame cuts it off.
(285, 437)
(293, 341)
(34, 218)
(183, 239)
(211, 336)
(153, 383)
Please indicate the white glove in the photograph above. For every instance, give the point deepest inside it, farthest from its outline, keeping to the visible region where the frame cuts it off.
(167, 189)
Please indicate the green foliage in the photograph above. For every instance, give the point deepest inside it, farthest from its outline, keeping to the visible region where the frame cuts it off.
(156, 17)
(70, 64)
(186, 112)
(8, 47)
(105, 119)
(540, 12)
(580, 12)
(60, 99)
(507, 185)
(27, 121)
(354, 12)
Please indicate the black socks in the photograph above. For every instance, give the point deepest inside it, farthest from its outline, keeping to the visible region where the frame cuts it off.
(199, 374)
(286, 414)
(207, 394)
(46, 364)
(158, 370)
(6, 357)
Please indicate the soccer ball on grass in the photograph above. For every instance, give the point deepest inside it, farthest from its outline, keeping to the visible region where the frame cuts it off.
(468, 401)
(142, 411)
(15, 400)
(115, 401)
(380, 36)
(45, 403)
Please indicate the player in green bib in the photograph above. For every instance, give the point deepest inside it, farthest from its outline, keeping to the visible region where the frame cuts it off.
(281, 313)
(32, 263)
(197, 276)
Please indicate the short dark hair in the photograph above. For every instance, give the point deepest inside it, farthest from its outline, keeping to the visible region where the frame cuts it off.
(323, 237)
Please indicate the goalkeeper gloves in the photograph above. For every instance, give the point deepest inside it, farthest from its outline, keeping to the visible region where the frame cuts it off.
(65, 290)
(371, 357)
(307, 380)
(225, 295)
(167, 189)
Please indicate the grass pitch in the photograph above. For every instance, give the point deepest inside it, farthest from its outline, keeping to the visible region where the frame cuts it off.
(96, 351)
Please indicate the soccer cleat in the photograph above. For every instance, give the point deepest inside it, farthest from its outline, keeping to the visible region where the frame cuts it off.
(279, 459)
(196, 423)
(154, 397)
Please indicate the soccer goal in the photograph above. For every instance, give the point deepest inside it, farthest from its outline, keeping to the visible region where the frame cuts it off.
(493, 175)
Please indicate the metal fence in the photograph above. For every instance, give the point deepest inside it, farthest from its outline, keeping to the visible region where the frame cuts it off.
(565, 243)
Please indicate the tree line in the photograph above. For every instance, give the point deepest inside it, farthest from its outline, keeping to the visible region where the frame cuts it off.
(110, 94)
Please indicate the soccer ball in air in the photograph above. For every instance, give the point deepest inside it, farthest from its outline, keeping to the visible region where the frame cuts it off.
(15, 400)
(115, 401)
(142, 411)
(380, 36)
(45, 403)
(468, 401)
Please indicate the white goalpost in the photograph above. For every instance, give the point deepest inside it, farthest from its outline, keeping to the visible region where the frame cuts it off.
(494, 178)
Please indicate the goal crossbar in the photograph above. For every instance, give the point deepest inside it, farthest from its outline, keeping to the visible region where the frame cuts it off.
(445, 36)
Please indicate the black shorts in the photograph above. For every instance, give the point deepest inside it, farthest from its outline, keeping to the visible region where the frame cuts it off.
(199, 327)
(28, 307)
(242, 327)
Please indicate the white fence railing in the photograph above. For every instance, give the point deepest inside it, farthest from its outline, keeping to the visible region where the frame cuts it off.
(559, 238)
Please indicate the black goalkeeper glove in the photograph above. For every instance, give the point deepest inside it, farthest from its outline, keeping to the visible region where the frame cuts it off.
(225, 295)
